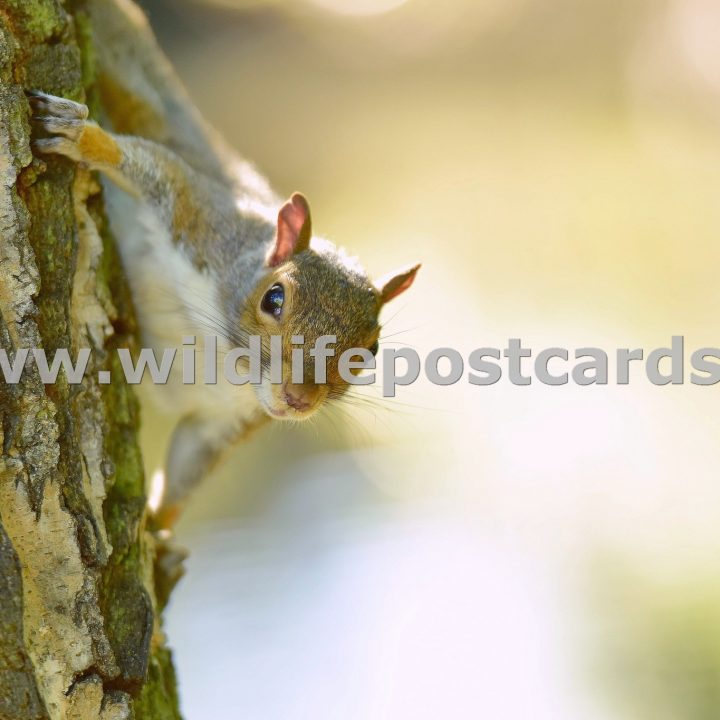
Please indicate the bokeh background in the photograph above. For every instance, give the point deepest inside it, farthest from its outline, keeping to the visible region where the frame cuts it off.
(468, 552)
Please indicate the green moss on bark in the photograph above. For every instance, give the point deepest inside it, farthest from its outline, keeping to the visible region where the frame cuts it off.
(37, 20)
(47, 45)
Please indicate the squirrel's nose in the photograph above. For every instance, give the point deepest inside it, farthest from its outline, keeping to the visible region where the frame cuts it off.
(295, 397)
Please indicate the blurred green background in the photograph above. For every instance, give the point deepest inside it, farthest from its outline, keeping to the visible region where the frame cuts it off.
(466, 552)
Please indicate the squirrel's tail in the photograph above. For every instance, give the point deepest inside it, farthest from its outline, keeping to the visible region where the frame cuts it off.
(141, 95)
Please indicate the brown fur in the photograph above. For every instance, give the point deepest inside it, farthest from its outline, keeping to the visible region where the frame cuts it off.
(97, 147)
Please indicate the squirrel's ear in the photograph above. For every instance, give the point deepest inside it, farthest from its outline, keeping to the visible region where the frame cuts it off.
(396, 282)
(294, 230)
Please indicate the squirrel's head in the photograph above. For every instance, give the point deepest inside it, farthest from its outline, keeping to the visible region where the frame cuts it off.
(311, 290)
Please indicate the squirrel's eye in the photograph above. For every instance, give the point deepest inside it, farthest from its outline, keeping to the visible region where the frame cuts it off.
(272, 302)
(375, 347)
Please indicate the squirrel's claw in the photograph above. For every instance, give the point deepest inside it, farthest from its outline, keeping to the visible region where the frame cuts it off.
(57, 146)
(71, 129)
(43, 104)
(62, 121)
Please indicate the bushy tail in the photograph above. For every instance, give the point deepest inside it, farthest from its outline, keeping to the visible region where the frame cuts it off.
(141, 95)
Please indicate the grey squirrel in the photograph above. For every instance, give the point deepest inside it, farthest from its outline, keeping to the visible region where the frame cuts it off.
(207, 246)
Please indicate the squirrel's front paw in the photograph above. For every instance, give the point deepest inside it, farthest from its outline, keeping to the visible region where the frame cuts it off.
(62, 123)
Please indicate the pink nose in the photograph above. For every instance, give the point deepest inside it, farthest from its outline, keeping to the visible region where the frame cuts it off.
(294, 400)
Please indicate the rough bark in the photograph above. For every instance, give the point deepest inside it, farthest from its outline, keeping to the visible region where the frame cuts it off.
(79, 618)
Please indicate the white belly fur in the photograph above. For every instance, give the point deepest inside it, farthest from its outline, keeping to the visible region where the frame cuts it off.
(172, 300)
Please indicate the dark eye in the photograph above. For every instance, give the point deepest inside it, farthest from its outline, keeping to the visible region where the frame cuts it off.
(272, 302)
(375, 347)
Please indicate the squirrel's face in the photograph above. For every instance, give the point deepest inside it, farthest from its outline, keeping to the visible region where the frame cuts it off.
(307, 293)
(311, 296)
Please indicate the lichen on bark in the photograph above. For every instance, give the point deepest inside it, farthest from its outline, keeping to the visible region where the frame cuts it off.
(80, 631)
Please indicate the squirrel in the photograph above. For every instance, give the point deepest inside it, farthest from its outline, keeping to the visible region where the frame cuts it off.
(207, 247)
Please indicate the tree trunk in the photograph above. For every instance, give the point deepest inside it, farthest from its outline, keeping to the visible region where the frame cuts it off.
(79, 613)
